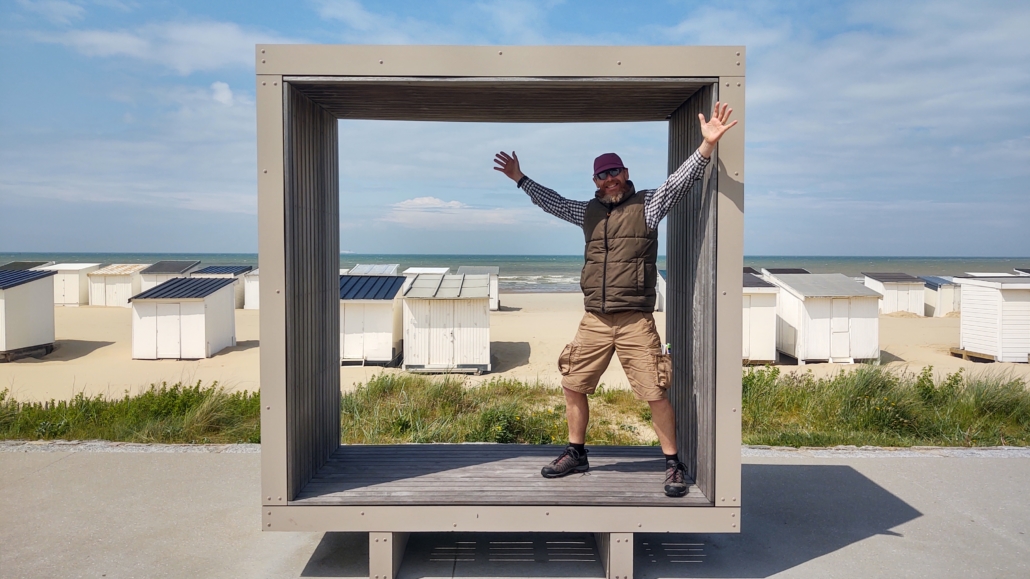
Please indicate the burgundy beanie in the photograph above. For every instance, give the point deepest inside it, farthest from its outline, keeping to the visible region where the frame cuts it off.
(607, 161)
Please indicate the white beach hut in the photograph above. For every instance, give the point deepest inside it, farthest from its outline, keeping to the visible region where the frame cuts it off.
(901, 292)
(759, 338)
(252, 290)
(184, 319)
(826, 317)
(1023, 271)
(233, 272)
(941, 296)
(370, 318)
(163, 271)
(447, 323)
(26, 313)
(113, 285)
(71, 282)
(24, 265)
(494, 272)
(660, 291)
(374, 269)
(995, 318)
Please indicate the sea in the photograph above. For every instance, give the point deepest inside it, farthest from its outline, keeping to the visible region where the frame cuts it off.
(560, 273)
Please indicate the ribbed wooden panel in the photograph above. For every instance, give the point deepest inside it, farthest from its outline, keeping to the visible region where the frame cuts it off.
(690, 321)
(527, 100)
(312, 287)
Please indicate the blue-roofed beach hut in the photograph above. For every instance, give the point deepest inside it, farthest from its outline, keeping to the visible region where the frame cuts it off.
(234, 272)
(370, 318)
(941, 296)
(184, 319)
(26, 313)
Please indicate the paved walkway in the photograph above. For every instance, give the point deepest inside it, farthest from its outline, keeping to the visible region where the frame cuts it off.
(152, 511)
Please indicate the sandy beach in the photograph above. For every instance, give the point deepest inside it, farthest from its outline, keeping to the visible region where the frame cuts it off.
(93, 353)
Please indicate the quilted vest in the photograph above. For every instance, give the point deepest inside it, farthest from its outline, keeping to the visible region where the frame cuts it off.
(620, 261)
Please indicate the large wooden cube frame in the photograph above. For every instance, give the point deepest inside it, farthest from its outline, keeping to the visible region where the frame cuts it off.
(302, 91)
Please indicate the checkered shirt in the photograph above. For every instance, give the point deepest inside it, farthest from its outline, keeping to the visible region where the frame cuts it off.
(657, 202)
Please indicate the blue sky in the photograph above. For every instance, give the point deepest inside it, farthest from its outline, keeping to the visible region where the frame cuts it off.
(874, 128)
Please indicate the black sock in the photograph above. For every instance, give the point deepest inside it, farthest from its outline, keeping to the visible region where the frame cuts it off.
(579, 447)
(675, 457)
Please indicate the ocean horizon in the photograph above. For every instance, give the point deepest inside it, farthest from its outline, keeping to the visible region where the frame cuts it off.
(560, 273)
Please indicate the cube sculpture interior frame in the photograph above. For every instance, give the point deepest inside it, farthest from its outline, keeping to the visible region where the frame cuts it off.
(302, 92)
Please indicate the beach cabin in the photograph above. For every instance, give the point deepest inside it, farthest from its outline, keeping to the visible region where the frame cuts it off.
(447, 323)
(826, 317)
(494, 272)
(1022, 270)
(233, 272)
(163, 271)
(252, 290)
(71, 282)
(184, 319)
(901, 292)
(24, 265)
(941, 296)
(370, 318)
(995, 318)
(759, 321)
(113, 285)
(660, 291)
(374, 269)
(26, 313)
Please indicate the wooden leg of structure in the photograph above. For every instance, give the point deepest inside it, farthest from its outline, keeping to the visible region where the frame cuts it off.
(385, 553)
(616, 551)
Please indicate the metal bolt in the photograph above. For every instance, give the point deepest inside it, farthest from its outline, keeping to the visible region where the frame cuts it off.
(640, 524)
(377, 540)
(547, 513)
(727, 84)
(269, 524)
(277, 291)
(736, 173)
(263, 83)
(262, 61)
(738, 54)
(733, 515)
(275, 84)
(618, 540)
(738, 84)
(619, 62)
(734, 409)
(723, 499)
(269, 512)
(362, 513)
(263, 51)
(380, 62)
(738, 63)
(384, 540)
(734, 499)
(455, 525)
(723, 293)
(269, 498)
(266, 170)
(500, 52)
(733, 526)
(280, 498)
(268, 408)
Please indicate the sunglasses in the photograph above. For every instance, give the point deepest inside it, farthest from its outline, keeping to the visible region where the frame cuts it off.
(609, 173)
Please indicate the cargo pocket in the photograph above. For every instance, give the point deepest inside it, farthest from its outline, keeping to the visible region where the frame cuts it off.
(565, 359)
(663, 370)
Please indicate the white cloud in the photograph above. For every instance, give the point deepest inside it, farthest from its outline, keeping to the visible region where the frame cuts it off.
(221, 93)
(427, 204)
(184, 47)
(56, 11)
(431, 213)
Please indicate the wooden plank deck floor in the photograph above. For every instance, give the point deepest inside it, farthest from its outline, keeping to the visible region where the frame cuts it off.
(490, 474)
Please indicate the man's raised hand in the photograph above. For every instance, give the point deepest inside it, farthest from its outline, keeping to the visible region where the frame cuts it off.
(712, 130)
(509, 165)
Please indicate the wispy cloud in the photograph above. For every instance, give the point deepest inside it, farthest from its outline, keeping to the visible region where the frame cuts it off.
(184, 47)
(56, 11)
(433, 214)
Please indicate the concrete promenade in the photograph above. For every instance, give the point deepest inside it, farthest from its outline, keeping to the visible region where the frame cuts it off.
(138, 511)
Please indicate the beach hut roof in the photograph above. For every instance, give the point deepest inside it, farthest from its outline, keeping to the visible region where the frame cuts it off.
(1025, 270)
(1002, 282)
(892, 277)
(370, 287)
(439, 286)
(225, 269)
(15, 277)
(663, 273)
(752, 271)
(375, 269)
(23, 265)
(184, 288)
(825, 285)
(67, 267)
(786, 270)
(479, 269)
(121, 269)
(751, 280)
(172, 266)
(935, 281)
(420, 270)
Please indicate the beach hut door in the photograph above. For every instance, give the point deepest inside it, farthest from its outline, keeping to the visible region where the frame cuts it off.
(840, 330)
(354, 332)
(441, 341)
(169, 340)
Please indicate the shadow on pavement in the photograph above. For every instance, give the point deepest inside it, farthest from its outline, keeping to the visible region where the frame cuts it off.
(792, 514)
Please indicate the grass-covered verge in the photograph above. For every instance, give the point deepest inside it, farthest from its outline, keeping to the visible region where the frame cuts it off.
(170, 414)
(398, 408)
(872, 405)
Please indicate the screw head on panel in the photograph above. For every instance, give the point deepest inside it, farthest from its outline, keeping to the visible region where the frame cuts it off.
(500, 52)
(619, 62)
(723, 499)
(275, 84)
(262, 61)
(455, 525)
(269, 498)
(377, 540)
(738, 63)
(738, 84)
(263, 83)
(380, 62)
(280, 498)
(640, 524)
(265, 171)
(268, 408)
(362, 513)
(269, 524)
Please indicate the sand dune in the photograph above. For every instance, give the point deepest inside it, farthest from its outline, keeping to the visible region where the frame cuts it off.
(94, 347)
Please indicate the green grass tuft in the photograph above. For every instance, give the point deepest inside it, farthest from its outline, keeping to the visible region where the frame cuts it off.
(170, 414)
(872, 405)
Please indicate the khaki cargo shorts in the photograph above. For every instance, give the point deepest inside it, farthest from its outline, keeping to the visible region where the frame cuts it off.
(634, 336)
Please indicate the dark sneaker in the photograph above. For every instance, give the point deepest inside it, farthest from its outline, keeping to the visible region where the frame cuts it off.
(675, 479)
(568, 462)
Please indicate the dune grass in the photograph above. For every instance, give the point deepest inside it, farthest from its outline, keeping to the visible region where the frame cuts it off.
(871, 405)
(395, 408)
(178, 413)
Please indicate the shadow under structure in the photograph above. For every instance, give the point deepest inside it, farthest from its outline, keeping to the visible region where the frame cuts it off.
(312, 483)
